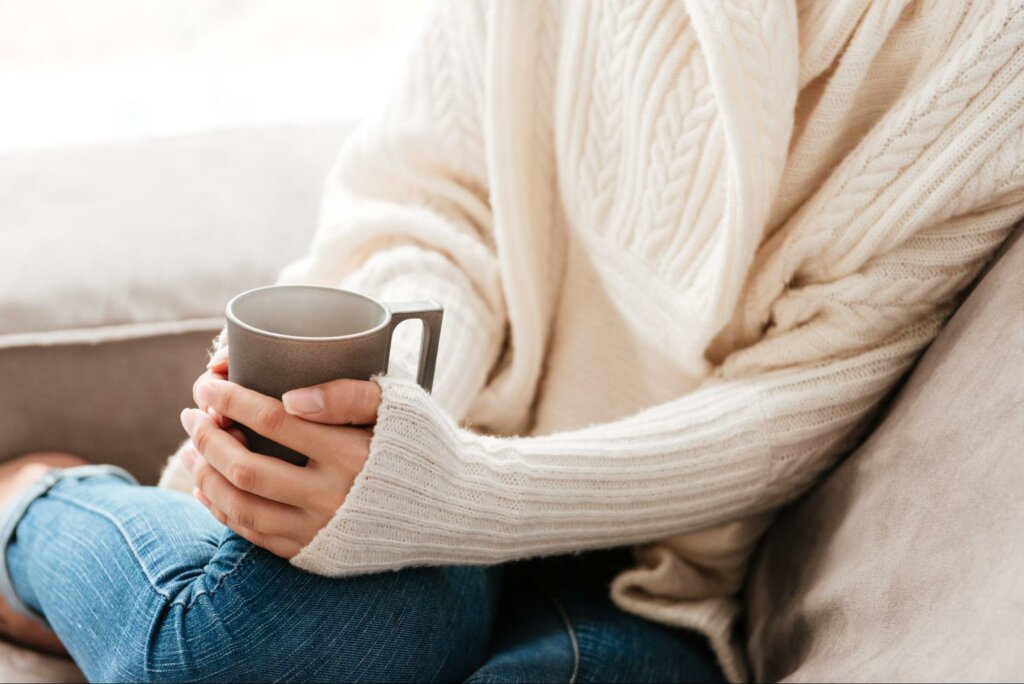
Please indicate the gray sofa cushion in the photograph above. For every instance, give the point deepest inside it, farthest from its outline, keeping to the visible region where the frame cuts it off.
(154, 230)
(112, 402)
(115, 265)
(906, 563)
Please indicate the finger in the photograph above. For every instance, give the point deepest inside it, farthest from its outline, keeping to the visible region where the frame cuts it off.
(238, 435)
(221, 421)
(279, 546)
(245, 509)
(263, 476)
(188, 455)
(202, 403)
(267, 417)
(339, 402)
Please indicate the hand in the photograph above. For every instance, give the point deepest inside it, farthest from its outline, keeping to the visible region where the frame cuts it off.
(272, 503)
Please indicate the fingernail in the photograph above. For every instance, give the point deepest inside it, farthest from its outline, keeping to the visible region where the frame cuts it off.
(307, 400)
(188, 457)
(206, 392)
(188, 420)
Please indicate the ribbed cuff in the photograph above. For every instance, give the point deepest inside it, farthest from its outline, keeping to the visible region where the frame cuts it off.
(431, 493)
(16, 509)
(384, 523)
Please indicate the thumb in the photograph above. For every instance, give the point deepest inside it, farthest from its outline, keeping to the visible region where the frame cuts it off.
(339, 402)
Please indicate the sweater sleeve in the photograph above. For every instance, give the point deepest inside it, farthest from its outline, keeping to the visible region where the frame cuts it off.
(755, 435)
(405, 213)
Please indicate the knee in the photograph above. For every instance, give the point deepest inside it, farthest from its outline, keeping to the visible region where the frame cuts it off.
(168, 645)
(155, 664)
(136, 661)
(437, 619)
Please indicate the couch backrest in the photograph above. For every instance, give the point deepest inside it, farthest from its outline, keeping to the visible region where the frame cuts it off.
(115, 265)
(907, 562)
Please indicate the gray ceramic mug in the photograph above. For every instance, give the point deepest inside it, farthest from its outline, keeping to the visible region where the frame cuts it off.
(290, 336)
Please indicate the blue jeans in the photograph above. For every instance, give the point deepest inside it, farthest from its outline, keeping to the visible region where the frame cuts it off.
(144, 585)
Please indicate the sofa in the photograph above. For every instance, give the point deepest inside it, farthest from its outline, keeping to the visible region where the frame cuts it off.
(906, 563)
(116, 262)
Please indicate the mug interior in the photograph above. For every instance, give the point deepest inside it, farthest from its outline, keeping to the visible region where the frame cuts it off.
(306, 311)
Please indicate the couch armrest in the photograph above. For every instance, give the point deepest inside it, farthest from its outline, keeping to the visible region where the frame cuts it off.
(911, 544)
(112, 399)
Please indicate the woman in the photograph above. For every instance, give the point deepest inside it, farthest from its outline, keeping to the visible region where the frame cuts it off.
(684, 251)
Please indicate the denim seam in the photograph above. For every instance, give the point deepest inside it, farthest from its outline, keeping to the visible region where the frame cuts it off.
(186, 605)
(570, 632)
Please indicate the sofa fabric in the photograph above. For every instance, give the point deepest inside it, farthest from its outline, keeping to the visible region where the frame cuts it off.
(154, 230)
(906, 563)
(113, 402)
(115, 265)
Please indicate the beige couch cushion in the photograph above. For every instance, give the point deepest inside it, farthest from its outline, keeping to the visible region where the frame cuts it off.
(907, 563)
(155, 230)
(115, 265)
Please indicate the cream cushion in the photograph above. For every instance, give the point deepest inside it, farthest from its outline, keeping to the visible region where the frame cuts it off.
(905, 564)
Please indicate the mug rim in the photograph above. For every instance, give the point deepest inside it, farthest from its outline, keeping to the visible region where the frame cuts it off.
(230, 314)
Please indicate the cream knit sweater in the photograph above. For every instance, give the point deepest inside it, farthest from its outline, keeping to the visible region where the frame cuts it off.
(684, 248)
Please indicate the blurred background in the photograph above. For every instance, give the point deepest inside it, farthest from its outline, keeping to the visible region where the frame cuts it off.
(84, 72)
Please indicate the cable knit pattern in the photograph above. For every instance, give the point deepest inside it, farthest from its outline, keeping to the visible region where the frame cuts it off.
(685, 248)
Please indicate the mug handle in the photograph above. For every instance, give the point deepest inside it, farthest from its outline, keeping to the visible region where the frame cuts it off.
(431, 313)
